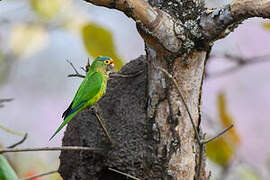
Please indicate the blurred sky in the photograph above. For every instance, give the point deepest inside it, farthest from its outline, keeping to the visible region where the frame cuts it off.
(42, 91)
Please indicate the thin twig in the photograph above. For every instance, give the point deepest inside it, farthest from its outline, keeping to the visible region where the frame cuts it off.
(87, 65)
(72, 148)
(40, 175)
(241, 62)
(125, 174)
(73, 67)
(101, 123)
(201, 148)
(181, 96)
(84, 69)
(18, 143)
(11, 131)
(4, 100)
(218, 135)
(126, 75)
(76, 75)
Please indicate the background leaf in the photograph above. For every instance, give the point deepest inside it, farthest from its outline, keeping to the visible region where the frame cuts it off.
(98, 41)
(27, 39)
(219, 151)
(46, 9)
(266, 25)
(226, 119)
(6, 171)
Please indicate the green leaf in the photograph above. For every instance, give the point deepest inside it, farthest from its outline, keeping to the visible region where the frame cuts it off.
(226, 119)
(266, 25)
(98, 41)
(246, 173)
(219, 151)
(6, 171)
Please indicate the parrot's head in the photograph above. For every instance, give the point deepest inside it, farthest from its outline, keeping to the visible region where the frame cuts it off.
(103, 63)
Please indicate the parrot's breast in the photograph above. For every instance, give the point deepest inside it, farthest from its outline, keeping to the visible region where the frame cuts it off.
(99, 95)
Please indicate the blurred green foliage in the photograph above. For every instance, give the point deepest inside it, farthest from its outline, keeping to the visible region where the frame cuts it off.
(266, 25)
(222, 150)
(98, 41)
(226, 119)
(219, 151)
(247, 173)
(46, 9)
(6, 171)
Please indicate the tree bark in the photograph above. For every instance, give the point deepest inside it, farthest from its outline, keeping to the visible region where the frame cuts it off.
(145, 115)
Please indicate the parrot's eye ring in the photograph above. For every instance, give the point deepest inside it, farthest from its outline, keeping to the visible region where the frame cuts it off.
(107, 62)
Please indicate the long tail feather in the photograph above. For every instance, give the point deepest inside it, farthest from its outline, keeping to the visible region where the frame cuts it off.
(64, 123)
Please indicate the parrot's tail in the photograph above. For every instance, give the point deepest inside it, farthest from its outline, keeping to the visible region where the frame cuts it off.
(66, 120)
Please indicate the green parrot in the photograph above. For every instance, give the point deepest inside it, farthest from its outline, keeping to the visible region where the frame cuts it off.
(92, 88)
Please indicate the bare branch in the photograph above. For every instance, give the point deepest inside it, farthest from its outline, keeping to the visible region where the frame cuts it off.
(250, 8)
(73, 67)
(218, 23)
(20, 142)
(114, 74)
(40, 175)
(241, 62)
(4, 100)
(125, 174)
(71, 148)
(217, 136)
(201, 151)
(95, 109)
(76, 75)
(87, 65)
(157, 23)
(84, 69)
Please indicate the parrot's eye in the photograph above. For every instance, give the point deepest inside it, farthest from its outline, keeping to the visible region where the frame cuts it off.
(107, 62)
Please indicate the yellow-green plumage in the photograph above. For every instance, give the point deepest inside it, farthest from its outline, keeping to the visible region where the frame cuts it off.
(91, 89)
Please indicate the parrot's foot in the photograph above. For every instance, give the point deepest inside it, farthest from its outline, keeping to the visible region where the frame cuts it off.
(115, 74)
(95, 110)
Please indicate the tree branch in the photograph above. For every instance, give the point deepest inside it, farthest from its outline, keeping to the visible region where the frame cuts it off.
(240, 63)
(4, 100)
(218, 135)
(77, 74)
(218, 23)
(20, 142)
(72, 148)
(40, 175)
(157, 23)
(250, 8)
(125, 174)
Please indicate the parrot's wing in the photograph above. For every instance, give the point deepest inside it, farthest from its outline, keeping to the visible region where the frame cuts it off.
(88, 89)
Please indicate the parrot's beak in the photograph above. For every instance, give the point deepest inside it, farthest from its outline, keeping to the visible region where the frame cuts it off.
(110, 66)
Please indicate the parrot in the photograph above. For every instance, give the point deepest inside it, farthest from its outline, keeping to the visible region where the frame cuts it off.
(92, 88)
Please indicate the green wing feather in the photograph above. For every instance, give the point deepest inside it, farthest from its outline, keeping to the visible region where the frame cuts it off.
(87, 95)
